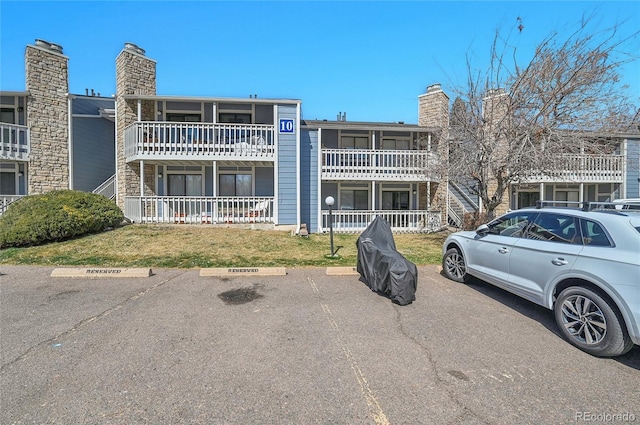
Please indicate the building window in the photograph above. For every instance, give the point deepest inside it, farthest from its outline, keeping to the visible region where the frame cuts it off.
(395, 200)
(8, 183)
(175, 117)
(527, 199)
(235, 185)
(395, 144)
(351, 199)
(354, 142)
(234, 117)
(184, 185)
(8, 115)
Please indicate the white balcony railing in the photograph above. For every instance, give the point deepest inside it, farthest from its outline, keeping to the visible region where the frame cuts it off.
(198, 209)
(582, 168)
(412, 221)
(107, 188)
(6, 200)
(363, 164)
(172, 140)
(14, 142)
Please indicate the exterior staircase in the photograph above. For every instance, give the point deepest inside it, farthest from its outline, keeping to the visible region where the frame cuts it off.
(460, 203)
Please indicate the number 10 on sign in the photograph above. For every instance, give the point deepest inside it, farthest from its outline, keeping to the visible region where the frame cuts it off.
(286, 126)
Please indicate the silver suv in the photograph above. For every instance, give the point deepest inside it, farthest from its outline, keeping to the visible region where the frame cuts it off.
(584, 264)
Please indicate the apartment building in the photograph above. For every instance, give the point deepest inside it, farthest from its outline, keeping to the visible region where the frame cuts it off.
(256, 162)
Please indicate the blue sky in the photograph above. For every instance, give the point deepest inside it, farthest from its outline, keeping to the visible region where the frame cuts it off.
(370, 59)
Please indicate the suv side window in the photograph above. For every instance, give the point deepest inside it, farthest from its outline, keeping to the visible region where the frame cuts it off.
(513, 224)
(554, 227)
(593, 234)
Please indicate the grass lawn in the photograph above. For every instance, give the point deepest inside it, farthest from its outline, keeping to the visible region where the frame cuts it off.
(185, 246)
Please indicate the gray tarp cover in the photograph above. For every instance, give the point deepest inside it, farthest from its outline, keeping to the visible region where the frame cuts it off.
(382, 267)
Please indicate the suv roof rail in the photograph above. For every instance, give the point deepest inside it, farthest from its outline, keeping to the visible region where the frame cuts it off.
(590, 205)
(559, 204)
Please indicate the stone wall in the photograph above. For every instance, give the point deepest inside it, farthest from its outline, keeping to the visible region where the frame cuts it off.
(433, 113)
(495, 110)
(47, 81)
(135, 75)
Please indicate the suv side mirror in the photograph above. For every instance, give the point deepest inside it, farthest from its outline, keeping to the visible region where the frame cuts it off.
(482, 230)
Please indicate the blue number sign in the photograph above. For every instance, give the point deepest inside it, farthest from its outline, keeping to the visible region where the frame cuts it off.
(286, 126)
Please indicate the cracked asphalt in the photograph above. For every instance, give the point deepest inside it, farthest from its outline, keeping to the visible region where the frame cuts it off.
(306, 348)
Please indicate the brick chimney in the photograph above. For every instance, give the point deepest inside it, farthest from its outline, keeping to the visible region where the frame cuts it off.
(47, 81)
(135, 75)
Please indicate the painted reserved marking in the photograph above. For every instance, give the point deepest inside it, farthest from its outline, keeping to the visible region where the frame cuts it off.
(244, 271)
(100, 272)
(342, 271)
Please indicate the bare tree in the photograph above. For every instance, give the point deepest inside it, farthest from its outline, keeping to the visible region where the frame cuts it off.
(512, 121)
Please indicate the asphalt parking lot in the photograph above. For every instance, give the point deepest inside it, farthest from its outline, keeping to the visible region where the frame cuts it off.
(305, 348)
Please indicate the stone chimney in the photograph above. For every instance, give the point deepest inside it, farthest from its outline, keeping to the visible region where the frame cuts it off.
(47, 81)
(135, 75)
(495, 112)
(495, 107)
(433, 108)
(433, 113)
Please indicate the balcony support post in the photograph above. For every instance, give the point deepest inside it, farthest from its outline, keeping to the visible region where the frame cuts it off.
(141, 178)
(373, 195)
(214, 187)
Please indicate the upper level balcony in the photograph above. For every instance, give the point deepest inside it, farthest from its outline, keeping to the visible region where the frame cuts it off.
(14, 142)
(153, 140)
(382, 164)
(582, 168)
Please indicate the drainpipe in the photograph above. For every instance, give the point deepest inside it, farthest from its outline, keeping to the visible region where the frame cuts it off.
(622, 193)
(446, 206)
(319, 180)
(70, 137)
(275, 166)
(298, 175)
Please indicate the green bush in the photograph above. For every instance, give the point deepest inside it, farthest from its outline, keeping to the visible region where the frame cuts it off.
(56, 216)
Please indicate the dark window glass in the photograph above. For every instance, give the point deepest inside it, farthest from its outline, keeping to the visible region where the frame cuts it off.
(512, 225)
(593, 234)
(235, 185)
(354, 199)
(172, 117)
(554, 227)
(229, 117)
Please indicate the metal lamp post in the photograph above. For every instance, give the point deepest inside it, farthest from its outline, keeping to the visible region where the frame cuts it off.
(330, 201)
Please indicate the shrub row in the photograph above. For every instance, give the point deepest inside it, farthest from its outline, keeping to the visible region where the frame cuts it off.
(56, 216)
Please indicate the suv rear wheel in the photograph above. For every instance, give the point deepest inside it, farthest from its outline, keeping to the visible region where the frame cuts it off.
(590, 323)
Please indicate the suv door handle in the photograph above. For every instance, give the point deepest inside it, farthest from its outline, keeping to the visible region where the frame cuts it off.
(503, 250)
(559, 262)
